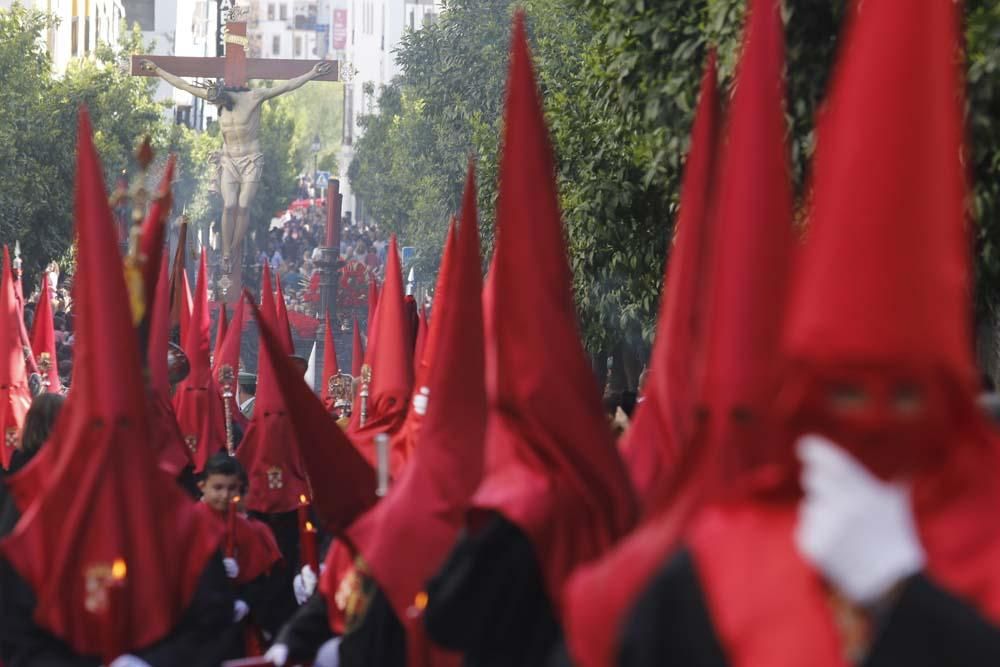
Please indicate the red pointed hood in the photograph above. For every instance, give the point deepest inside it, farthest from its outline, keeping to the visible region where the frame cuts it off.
(111, 548)
(159, 334)
(186, 305)
(887, 253)
(391, 355)
(164, 433)
(342, 482)
(227, 365)
(270, 450)
(199, 408)
(268, 311)
(357, 353)
(373, 295)
(180, 263)
(552, 467)
(406, 439)
(426, 357)
(154, 230)
(220, 333)
(43, 338)
(330, 365)
(425, 511)
(284, 326)
(663, 421)
(751, 237)
(15, 398)
(420, 344)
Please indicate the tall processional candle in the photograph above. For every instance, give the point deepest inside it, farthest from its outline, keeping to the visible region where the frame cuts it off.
(382, 463)
(307, 536)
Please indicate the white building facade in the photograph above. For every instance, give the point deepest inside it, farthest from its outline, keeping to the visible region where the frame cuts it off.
(373, 31)
(178, 28)
(80, 25)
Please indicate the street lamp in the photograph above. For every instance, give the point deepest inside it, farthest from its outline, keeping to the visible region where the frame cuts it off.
(316, 145)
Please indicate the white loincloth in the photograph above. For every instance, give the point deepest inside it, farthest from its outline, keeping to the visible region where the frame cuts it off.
(243, 169)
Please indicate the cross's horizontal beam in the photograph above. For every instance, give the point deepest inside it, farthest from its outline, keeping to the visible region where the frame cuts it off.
(213, 68)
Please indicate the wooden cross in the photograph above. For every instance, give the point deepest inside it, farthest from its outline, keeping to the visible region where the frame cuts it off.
(235, 69)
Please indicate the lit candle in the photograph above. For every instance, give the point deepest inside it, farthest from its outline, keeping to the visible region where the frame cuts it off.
(304, 524)
(310, 555)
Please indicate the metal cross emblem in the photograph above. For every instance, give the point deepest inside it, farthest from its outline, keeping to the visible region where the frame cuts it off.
(274, 480)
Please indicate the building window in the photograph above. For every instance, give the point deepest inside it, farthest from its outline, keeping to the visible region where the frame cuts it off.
(411, 20)
(283, 8)
(270, 11)
(276, 45)
(298, 46)
(86, 35)
(182, 115)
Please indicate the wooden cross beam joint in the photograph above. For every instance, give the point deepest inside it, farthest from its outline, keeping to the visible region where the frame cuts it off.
(235, 69)
(277, 69)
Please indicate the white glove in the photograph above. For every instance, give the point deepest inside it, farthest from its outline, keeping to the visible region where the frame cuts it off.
(328, 654)
(277, 654)
(129, 660)
(304, 584)
(854, 528)
(240, 610)
(232, 567)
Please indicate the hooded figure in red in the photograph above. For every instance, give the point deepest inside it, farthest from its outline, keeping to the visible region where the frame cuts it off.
(330, 366)
(555, 493)
(43, 340)
(390, 356)
(664, 420)
(598, 595)
(281, 309)
(737, 372)
(227, 366)
(418, 347)
(111, 549)
(200, 412)
(186, 304)
(405, 440)
(270, 449)
(425, 511)
(164, 433)
(882, 545)
(154, 229)
(15, 397)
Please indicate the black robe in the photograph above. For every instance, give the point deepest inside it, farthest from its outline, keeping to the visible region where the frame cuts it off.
(376, 637)
(307, 630)
(272, 598)
(204, 636)
(489, 600)
(925, 627)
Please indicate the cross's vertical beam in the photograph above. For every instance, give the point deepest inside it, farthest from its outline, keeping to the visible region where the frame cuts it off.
(329, 266)
(236, 46)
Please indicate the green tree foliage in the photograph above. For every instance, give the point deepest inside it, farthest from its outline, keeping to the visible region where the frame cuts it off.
(34, 187)
(620, 79)
(317, 110)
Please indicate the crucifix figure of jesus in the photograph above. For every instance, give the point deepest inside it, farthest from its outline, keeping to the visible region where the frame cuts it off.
(239, 120)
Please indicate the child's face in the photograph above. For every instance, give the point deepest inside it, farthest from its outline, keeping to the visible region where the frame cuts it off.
(219, 490)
